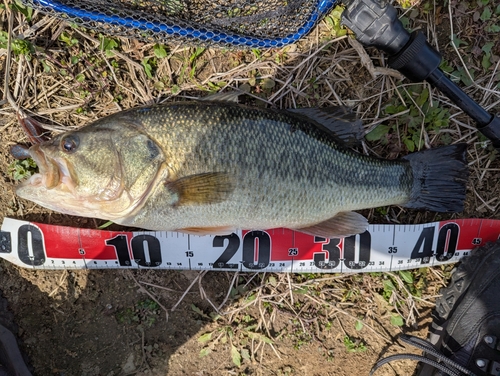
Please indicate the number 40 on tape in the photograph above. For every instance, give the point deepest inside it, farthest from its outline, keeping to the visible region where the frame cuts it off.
(380, 248)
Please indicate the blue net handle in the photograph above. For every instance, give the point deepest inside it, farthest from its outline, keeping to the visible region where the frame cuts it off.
(201, 34)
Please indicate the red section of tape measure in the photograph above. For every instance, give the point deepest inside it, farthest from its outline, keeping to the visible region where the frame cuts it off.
(474, 232)
(288, 244)
(73, 243)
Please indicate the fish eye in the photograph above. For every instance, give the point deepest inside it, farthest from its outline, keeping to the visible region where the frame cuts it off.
(70, 143)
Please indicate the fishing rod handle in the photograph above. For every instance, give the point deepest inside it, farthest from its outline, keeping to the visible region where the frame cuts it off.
(376, 24)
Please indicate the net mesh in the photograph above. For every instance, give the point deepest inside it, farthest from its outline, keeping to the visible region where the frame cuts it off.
(247, 23)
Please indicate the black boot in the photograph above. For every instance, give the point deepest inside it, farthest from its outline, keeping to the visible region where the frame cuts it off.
(465, 334)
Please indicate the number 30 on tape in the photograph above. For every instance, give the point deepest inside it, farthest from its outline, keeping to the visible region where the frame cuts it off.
(381, 248)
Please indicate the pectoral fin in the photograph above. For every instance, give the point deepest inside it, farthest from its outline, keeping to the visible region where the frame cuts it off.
(342, 225)
(206, 188)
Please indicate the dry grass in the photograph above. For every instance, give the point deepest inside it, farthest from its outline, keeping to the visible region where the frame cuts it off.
(68, 80)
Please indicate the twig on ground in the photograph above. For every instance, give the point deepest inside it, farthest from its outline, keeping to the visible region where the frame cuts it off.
(186, 292)
(366, 61)
(149, 294)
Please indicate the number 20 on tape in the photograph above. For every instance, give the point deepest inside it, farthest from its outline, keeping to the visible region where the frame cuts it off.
(380, 248)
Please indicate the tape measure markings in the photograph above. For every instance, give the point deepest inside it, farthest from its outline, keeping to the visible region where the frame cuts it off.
(381, 248)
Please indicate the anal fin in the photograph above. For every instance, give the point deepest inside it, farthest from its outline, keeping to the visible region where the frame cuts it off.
(342, 225)
(223, 230)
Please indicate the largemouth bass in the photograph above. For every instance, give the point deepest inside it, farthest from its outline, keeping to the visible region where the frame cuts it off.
(209, 168)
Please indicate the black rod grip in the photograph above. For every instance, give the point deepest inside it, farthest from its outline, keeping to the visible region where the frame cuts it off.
(462, 100)
(377, 25)
(492, 131)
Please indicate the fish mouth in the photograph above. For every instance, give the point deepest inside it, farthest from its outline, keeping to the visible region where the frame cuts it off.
(52, 173)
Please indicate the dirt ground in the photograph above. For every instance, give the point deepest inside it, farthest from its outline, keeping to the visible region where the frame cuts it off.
(89, 323)
(149, 322)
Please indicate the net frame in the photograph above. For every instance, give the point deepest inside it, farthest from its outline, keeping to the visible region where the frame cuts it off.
(233, 23)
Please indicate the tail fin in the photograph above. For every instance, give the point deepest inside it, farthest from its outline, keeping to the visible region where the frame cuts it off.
(440, 178)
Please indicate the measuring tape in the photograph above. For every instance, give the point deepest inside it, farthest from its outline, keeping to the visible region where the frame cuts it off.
(381, 248)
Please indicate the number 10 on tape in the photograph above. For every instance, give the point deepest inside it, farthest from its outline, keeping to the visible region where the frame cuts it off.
(380, 248)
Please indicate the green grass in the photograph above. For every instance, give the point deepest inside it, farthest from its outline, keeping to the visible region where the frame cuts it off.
(22, 169)
(144, 313)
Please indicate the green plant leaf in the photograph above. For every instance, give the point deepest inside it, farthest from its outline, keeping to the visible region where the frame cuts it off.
(486, 62)
(397, 320)
(196, 54)
(486, 15)
(445, 66)
(19, 46)
(104, 225)
(272, 281)
(159, 51)
(388, 285)
(251, 298)
(18, 6)
(359, 325)
(405, 21)
(251, 327)
(423, 97)
(406, 276)
(68, 39)
(457, 41)
(46, 67)
(303, 290)
(235, 356)
(108, 45)
(198, 311)
(493, 28)
(487, 47)
(257, 53)
(267, 83)
(245, 354)
(259, 337)
(175, 89)
(391, 110)
(22, 168)
(147, 67)
(205, 337)
(159, 85)
(410, 145)
(378, 132)
(215, 316)
(205, 351)
(463, 76)
(352, 346)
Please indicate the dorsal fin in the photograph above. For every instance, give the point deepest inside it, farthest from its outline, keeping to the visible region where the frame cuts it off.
(339, 120)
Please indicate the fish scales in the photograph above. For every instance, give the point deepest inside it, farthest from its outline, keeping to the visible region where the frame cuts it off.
(212, 167)
(286, 172)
